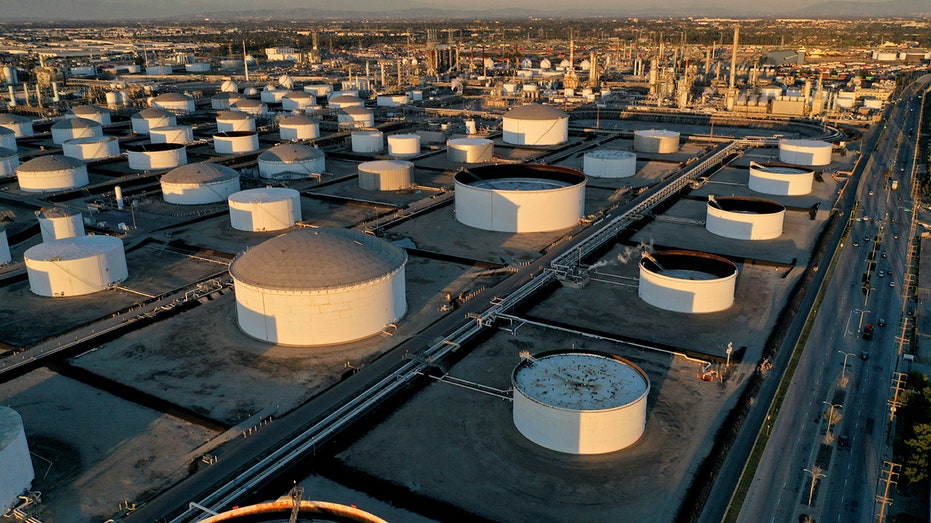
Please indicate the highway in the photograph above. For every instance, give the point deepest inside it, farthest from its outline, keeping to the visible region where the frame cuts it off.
(848, 468)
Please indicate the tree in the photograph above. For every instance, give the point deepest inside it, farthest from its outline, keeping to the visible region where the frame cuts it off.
(918, 452)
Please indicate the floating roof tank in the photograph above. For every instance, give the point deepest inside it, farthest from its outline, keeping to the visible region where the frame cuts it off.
(609, 163)
(403, 145)
(174, 102)
(236, 142)
(687, 281)
(172, 134)
(744, 218)
(265, 209)
(282, 510)
(780, 179)
(16, 472)
(248, 106)
(151, 118)
(805, 152)
(151, 156)
(367, 141)
(386, 175)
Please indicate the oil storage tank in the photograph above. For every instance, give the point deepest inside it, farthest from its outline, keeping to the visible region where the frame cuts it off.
(16, 472)
(253, 107)
(264, 209)
(20, 125)
(403, 145)
(580, 402)
(58, 223)
(298, 127)
(519, 197)
(345, 100)
(9, 161)
(367, 141)
(609, 163)
(52, 173)
(805, 152)
(71, 128)
(235, 142)
(386, 175)
(355, 117)
(297, 101)
(199, 183)
(92, 112)
(687, 281)
(75, 266)
(470, 150)
(744, 218)
(283, 510)
(780, 179)
(224, 100)
(176, 103)
(152, 156)
(233, 121)
(657, 141)
(291, 161)
(324, 286)
(172, 134)
(92, 148)
(5, 255)
(8, 139)
(535, 124)
(151, 118)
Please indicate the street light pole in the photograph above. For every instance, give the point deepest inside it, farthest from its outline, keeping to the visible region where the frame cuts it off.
(831, 413)
(815, 474)
(843, 373)
(862, 313)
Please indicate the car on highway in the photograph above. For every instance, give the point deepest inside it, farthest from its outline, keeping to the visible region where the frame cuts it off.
(868, 331)
(856, 243)
(881, 322)
(881, 274)
(865, 355)
(892, 283)
(884, 255)
(843, 440)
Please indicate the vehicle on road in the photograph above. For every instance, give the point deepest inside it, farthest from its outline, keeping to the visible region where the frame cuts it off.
(881, 274)
(892, 283)
(868, 331)
(884, 255)
(881, 322)
(895, 183)
(843, 440)
(856, 243)
(865, 355)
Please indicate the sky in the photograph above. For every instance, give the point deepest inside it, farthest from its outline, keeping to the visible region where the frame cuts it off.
(127, 9)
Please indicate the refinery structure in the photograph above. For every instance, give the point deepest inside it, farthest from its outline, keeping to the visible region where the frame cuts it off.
(410, 274)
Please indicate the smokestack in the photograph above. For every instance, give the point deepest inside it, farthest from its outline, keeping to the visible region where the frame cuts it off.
(12, 96)
(118, 194)
(55, 97)
(26, 93)
(245, 61)
(734, 56)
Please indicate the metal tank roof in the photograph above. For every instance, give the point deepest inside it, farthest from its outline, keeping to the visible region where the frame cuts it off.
(535, 112)
(248, 103)
(580, 381)
(172, 97)
(88, 109)
(75, 248)
(199, 173)
(264, 195)
(226, 95)
(75, 123)
(233, 115)
(297, 119)
(8, 118)
(58, 212)
(152, 112)
(355, 110)
(317, 259)
(290, 153)
(52, 162)
(345, 99)
(299, 94)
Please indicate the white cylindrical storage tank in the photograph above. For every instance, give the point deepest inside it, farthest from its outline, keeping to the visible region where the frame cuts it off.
(386, 175)
(344, 92)
(470, 150)
(391, 100)
(356, 117)
(655, 141)
(780, 180)
(297, 101)
(609, 163)
(197, 67)
(145, 157)
(172, 134)
(88, 149)
(291, 161)
(744, 218)
(235, 142)
(75, 266)
(416, 95)
(298, 127)
(9, 161)
(159, 69)
(273, 96)
(520, 197)
(535, 124)
(199, 183)
(345, 100)
(234, 121)
(174, 102)
(71, 128)
(805, 152)
(151, 119)
(687, 281)
(5, 255)
(8, 139)
(224, 100)
(229, 86)
(580, 402)
(265, 209)
(403, 144)
(16, 472)
(367, 141)
(58, 223)
(20, 125)
(52, 173)
(322, 286)
(318, 89)
(92, 112)
(253, 107)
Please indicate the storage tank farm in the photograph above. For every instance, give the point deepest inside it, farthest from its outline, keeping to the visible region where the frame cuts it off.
(744, 218)
(58, 223)
(264, 209)
(535, 125)
(16, 472)
(291, 161)
(323, 286)
(75, 266)
(52, 173)
(579, 402)
(782, 180)
(199, 183)
(687, 281)
(519, 197)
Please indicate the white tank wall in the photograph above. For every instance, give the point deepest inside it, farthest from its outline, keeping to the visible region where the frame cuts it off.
(404, 145)
(295, 170)
(20, 129)
(16, 472)
(5, 255)
(318, 89)
(103, 264)
(657, 142)
(386, 175)
(272, 96)
(149, 160)
(364, 118)
(391, 100)
(520, 211)
(8, 141)
(744, 226)
(236, 144)
(50, 181)
(367, 141)
(177, 106)
(616, 164)
(142, 125)
(519, 131)
(91, 148)
(805, 152)
(61, 136)
(199, 193)
(579, 431)
(337, 315)
(227, 125)
(299, 131)
(269, 210)
(61, 227)
(172, 134)
(686, 295)
(782, 184)
(297, 103)
(8, 165)
(470, 150)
